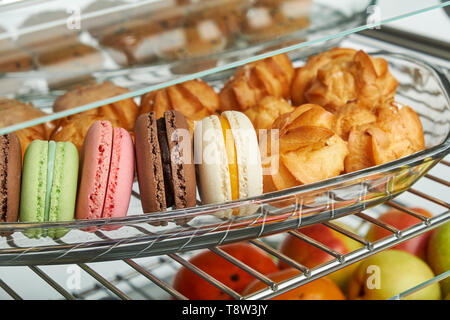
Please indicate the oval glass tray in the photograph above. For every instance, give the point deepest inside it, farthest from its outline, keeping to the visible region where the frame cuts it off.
(421, 86)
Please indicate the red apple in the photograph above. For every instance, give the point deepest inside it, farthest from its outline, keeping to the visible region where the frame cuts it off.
(417, 245)
(310, 256)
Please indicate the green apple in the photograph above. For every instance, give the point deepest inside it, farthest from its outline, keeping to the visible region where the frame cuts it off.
(389, 273)
(438, 254)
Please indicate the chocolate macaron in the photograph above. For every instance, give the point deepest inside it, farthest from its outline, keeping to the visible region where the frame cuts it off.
(165, 162)
(10, 175)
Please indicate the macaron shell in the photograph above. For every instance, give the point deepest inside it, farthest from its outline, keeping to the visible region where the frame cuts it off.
(96, 160)
(64, 184)
(13, 168)
(121, 174)
(212, 163)
(50, 167)
(34, 182)
(248, 157)
(149, 164)
(182, 160)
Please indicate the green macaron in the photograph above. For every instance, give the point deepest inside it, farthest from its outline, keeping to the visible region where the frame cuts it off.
(49, 185)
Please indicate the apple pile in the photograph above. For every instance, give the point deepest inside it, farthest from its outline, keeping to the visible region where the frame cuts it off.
(377, 277)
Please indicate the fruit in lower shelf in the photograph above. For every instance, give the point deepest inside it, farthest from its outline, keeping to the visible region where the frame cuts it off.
(417, 245)
(196, 288)
(389, 273)
(310, 256)
(438, 255)
(320, 289)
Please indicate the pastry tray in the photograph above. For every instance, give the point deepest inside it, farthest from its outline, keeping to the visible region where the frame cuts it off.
(422, 86)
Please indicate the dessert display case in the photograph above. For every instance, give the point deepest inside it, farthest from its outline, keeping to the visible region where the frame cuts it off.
(149, 45)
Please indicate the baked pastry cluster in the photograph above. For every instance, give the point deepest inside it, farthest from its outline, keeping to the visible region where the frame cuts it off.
(334, 115)
(338, 76)
(254, 81)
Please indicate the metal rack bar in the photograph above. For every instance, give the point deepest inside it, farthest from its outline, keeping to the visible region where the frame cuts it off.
(104, 282)
(281, 256)
(347, 233)
(9, 291)
(407, 211)
(350, 258)
(155, 280)
(381, 224)
(205, 276)
(244, 267)
(441, 181)
(317, 244)
(52, 283)
(429, 198)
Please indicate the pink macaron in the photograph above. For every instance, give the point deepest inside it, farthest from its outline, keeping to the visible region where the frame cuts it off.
(107, 172)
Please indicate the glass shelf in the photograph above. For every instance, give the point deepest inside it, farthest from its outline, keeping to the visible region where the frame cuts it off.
(437, 279)
(323, 24)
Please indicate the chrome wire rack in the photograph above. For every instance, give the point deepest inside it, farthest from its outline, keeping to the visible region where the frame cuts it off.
(150, 278)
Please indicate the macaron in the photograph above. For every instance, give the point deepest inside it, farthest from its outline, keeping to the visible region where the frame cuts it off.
(107, 172)
(49, 184)
(165, 163)
(10, 174)
(228, 160)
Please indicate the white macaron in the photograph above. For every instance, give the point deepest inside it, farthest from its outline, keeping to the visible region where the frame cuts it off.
(213, 165)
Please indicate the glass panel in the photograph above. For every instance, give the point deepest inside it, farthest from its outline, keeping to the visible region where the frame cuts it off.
(49, 47)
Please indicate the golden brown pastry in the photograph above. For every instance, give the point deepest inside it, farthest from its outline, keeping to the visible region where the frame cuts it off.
(123, 112)
(254, 81)
(13, 112)
(271, 19)
(195, 99)
(396, 133)
(306, 115)
(264, 113)
(304, 147)
(351, 115)
(339, 76)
